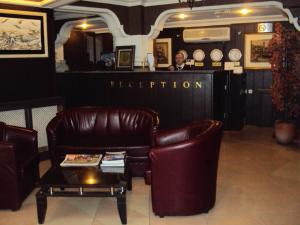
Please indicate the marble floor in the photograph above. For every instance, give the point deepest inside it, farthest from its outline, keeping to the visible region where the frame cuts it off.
(258, 184)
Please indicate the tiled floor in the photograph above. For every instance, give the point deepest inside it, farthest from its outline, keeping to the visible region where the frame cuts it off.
(258, 184)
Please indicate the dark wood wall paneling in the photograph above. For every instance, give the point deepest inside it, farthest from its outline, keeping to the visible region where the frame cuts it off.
(259, 104)
(30, 78)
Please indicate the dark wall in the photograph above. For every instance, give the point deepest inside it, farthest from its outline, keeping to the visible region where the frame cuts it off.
(259, 103)
(30, 78)
(76, 53)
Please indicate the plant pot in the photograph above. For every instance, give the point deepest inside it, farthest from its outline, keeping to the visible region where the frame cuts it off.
(285, 132)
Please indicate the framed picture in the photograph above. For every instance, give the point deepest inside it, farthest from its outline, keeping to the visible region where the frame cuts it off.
(163, 52)
(125, 57)
(23, 34)
(257, 55)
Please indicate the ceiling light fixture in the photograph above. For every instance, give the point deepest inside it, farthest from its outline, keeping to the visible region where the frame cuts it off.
(245, 11)
(182, 16)
(84, 25)
(189, 3)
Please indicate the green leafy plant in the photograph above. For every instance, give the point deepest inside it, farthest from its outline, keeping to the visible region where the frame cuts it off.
(285, 60)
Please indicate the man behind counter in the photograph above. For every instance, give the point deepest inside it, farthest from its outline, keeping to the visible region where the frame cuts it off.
(180, 65)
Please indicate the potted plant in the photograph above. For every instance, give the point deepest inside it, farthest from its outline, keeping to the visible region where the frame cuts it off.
(285, 60)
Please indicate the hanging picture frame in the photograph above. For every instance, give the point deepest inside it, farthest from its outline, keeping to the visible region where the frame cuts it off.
(163, 52)
(257, 56)
(23, 34)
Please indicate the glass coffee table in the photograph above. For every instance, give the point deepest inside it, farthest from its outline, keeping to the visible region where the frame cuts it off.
(83, 182)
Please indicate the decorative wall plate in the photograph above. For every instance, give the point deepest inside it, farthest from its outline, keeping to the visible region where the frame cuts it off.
(216, 55)
(184, 53)
(199, 55)
(235, 55)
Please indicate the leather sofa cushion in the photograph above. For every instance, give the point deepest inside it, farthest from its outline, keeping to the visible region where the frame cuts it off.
(84, 126)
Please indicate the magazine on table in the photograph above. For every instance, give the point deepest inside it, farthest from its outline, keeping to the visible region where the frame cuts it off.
(77, 160)
(114, 159)
(113, 169)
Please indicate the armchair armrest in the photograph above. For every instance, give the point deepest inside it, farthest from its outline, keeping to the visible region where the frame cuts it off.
(171, 136)
(23, 138)
(7, 156)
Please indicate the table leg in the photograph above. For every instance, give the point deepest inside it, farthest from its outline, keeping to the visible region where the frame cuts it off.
(41, 204)
(121, 201)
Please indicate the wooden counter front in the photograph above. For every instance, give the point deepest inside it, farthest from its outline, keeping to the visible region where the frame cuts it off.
(179, 97)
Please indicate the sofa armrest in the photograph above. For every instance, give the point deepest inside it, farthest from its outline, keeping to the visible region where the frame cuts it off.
(54, 130)
(25, 140)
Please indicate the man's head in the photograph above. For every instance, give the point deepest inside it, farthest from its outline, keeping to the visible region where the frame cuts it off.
(179, 58)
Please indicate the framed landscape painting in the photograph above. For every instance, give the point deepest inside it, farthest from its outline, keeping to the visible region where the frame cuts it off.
(23, 34)
(257, 55)
(163, 52)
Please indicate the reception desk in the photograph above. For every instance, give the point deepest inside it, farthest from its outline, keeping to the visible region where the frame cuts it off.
(179, 97)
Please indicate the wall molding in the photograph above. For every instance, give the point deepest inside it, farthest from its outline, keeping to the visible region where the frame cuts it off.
(162, 18)
(130, 3)
(224, 21)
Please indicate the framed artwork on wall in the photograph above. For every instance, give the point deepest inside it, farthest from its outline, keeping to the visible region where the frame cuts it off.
(257, 56)
(125, 57)
(163, 52)
(23, 34)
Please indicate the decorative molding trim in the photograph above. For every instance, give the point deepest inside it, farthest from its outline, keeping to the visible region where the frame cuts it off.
(162, 18)
(65, 31)
(99, 30)
(71, 16)
(110, 18)
(58, 3)
(224, 21)
(130, 3)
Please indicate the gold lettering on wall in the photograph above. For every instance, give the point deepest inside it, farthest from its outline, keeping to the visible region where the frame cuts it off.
(141, 85)
(156, 84)
(186, 84)
(174, 84)
(152, 83)
(198, 84)
(163, 83)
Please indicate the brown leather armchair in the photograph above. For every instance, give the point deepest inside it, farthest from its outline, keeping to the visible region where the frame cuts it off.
(183, 171)
(93, 130)
(19, 165)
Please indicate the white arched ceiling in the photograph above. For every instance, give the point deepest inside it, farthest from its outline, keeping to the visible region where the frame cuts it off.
(144, 43)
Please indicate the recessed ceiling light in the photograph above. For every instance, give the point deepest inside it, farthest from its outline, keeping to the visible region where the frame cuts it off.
(182, 16)
(84, 25)
(245, 11)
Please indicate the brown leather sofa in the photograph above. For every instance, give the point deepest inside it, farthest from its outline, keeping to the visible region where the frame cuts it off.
(183, 171)
(19, 165)
(92, 130)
